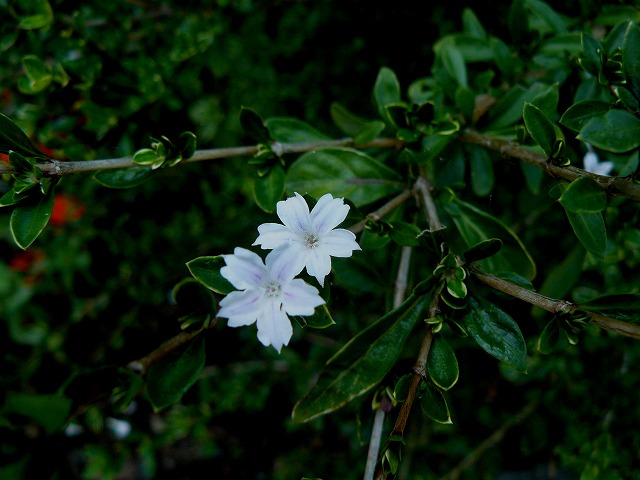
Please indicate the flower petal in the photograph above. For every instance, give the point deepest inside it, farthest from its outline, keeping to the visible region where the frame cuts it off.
(300, 298)
(339, 243)
(285, 262)
(274, 327)
(242, 308)
(244, 269)
(294, 213)
(273, 235)
(318, 264)
(328, 213)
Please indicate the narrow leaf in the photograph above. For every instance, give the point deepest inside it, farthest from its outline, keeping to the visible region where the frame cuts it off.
(123, 177)
(363, 362)
(590, 231)
(497, 333)
(13, 138)
(29, 219)
(207, 271)
(540, 128)
(386, 90)
(442, 364)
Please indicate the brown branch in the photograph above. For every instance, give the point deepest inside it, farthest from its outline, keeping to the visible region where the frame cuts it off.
(56, 168)
(614, 185)
(382, 211)
(555, 306)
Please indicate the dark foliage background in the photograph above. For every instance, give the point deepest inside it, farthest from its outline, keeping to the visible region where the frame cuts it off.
(95, 289)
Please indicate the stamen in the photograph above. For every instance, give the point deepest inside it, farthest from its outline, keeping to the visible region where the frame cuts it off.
(311, 240)
(272, 289)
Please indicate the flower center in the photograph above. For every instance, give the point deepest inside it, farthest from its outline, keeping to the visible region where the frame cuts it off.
(311, 240)
(272, 289)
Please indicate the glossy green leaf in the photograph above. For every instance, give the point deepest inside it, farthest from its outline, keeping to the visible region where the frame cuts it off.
(268, 189)
(343, 172)
(386, 90)
(496, 332)
(292, 130)
(207, 271)
(509, 108)
(621, 306)
(253, 126)
(401, 390)
(583, 195)
(442, 364)
(13, 138)
(631, 58)
(363, 362)
(346, 121)
(146, 156)
(29, 219)
(172, 376)
(617, 131)
(590, 231)
(481, 169)
(123, 177)
(456, 288)
(580, 113)
(549, 337)
(540, 128)
(483, 249)
(434, 405)
(476, 226)
(547, 100)
(12, 198)
(51, 412)
(405, 234)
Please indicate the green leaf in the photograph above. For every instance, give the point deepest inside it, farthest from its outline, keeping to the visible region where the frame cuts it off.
(147, 156)
(564, 275)
(172, 376)
(123, 177)
(580, 113)
(631, 58)
(621, 306)
(343, 172)
(583, 195)
(12, 198)
(29, 219)
(363, 362)
(369, 132)
(590, 231)
(442, 364)
(292, 130)
(472, 25)
(207, 271)
(509, 108)
(476, 226)
(346, 121)
(12, 138)
(41, 17)
(51, 412)
(253, 126)
(483, 249)
(518, 21)
(386, 90)
(617, 131)
(545, 13)
(321, 318)
(549, 337)
(454, 63)
(497, 333)
(540, 128)
(481, 167)
(405, 234)
(38, 75)
(434, 405)
(547, 100)
(268, 189)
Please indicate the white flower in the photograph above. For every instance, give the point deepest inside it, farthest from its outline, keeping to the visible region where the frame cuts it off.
(269, 293)
(593, 164)
(310, 238)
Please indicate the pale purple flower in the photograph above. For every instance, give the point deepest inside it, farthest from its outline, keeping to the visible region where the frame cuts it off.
(269, 293)
(593, 164)
(310, 238)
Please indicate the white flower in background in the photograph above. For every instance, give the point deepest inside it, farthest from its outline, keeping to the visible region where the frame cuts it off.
(268, 294)
(310, 238)
(593, 164)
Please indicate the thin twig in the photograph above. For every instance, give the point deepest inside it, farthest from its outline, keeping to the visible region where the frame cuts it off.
(424, 187)
(555, 306)
(57, 168)
(384, 210)
(615, 185)
(491, 441)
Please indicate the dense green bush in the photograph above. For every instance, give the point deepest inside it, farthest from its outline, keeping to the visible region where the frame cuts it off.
(483, 113)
